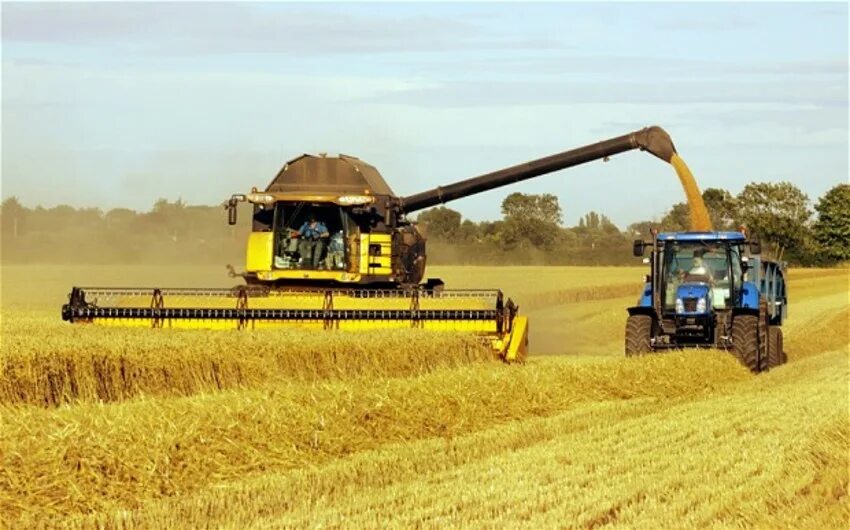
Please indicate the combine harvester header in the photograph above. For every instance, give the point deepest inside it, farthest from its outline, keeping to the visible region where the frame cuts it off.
(331, 248)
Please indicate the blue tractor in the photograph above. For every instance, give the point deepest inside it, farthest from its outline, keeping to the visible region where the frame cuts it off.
(710, 289)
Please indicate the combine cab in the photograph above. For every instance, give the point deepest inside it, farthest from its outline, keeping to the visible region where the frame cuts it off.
(703, 290)
(331, 248)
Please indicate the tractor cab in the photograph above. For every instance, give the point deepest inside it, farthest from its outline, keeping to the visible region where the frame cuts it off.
(700, 272)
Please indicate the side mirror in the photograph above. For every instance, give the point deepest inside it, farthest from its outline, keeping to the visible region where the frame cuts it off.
(755, 247)
(638, 248)
(231, 211)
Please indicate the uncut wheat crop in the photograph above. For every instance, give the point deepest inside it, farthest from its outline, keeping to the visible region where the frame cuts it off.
(111, 428)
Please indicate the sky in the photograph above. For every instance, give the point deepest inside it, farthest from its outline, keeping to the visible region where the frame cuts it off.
(116, 105)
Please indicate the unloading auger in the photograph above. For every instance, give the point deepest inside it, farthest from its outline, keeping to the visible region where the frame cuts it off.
(370, 258)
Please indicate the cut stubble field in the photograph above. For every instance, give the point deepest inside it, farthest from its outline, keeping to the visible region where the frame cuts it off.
(107, 428)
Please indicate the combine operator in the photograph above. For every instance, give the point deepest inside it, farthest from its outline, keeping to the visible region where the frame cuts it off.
(313, 234)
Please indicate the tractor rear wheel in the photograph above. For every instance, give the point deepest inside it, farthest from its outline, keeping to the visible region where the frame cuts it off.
(775, 355)
(638, 335)
(745, 340)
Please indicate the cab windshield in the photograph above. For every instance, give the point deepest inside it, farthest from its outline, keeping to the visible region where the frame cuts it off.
(313, 236)
(702, 262)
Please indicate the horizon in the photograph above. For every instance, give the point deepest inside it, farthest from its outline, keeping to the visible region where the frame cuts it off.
(122, 104)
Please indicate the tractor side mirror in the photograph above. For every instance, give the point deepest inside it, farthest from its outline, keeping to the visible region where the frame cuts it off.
(755, 246)
(638, 248)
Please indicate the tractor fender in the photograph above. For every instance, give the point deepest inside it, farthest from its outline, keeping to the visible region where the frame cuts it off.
(643, 310)
(745, 311)
(749, 296)
(645, 299)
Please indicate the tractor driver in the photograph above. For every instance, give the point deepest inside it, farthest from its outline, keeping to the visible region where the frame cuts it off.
(699, 271)
(313, 234)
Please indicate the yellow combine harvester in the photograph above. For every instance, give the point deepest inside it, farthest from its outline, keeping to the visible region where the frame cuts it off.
(331, 248)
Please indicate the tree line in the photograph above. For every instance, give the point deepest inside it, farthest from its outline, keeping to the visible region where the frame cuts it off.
(171, 232)
(531, 231)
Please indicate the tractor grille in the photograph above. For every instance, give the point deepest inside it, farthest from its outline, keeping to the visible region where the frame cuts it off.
(690, 304)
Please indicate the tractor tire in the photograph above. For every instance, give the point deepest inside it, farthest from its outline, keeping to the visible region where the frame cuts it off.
(638, 335)
(764, 339)
(774, 347)
(745, 341)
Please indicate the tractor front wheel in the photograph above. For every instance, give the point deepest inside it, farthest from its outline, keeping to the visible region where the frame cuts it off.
(638, 335)
(745, 340)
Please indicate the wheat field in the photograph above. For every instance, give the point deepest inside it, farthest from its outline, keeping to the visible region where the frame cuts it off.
(110, 428)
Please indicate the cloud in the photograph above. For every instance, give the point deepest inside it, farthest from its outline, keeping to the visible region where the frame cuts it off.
(709, 20)
(542, 64)
(482, 93)
(232, 28)
(808, 120)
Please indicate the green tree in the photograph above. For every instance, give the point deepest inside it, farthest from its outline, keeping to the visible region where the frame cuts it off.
(120, 219)
(168, 219)
(13, 218)
(832, 229)
(530, 221)
(593, 222)
(778, 213)
(641, 229)
(597, 231)
(544, 208)
(468, 231)
(722, 208)
(440, 223)
(678, 219)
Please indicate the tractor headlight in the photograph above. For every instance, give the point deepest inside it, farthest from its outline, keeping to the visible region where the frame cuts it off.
(701, 305)
(680, 305)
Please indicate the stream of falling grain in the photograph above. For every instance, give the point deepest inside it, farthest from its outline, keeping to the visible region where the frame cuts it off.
(700, 220)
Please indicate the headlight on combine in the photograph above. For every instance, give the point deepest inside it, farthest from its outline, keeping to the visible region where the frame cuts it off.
(680, 305)
(260, 198)
(351, 200)
(701, 305)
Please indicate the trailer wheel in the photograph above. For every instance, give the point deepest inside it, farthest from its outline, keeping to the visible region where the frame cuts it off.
(745, 340)
(775, 355)
(638, 335)
(764, 339)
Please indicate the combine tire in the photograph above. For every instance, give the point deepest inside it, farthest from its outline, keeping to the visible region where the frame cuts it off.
(745, 341)
(775, 355)
(638, 334)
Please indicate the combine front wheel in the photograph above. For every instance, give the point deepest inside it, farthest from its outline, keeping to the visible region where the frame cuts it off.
(638, 335)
